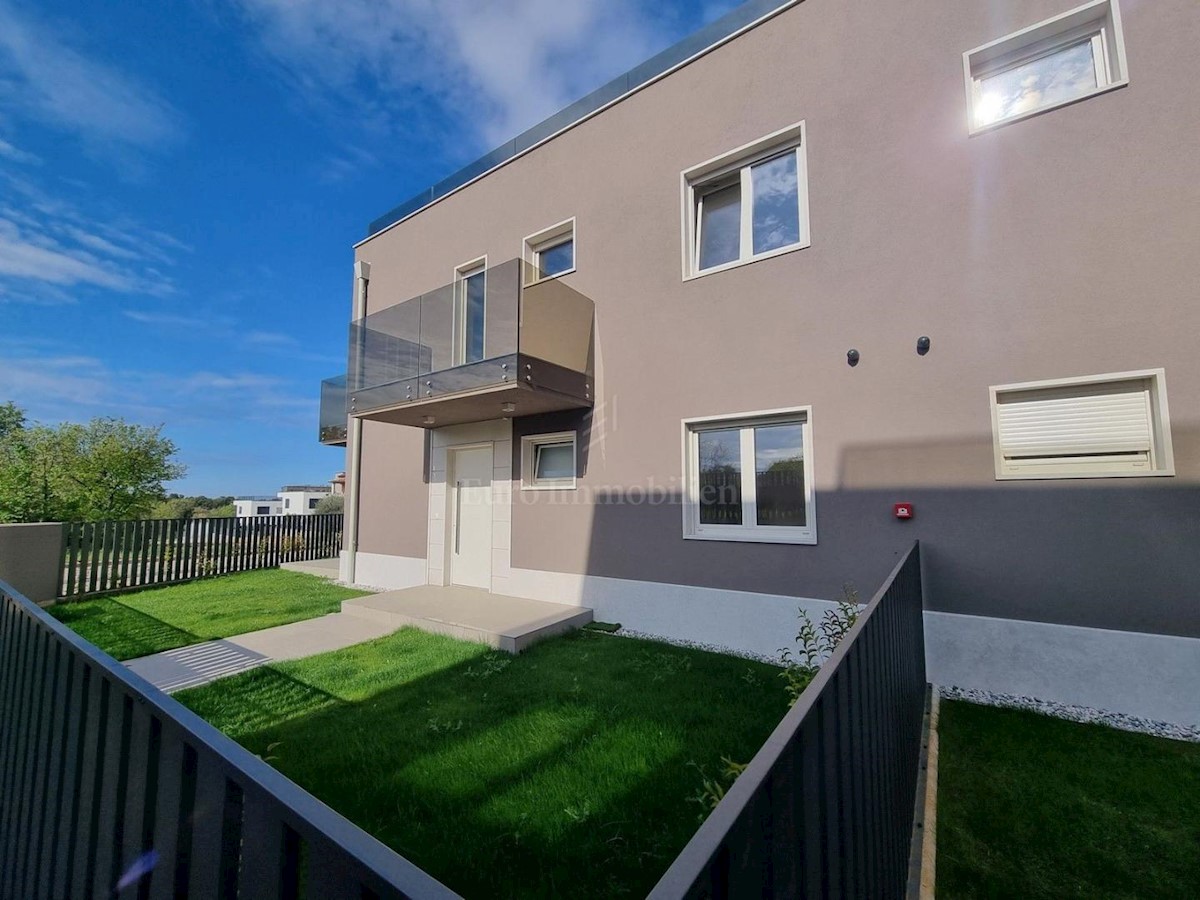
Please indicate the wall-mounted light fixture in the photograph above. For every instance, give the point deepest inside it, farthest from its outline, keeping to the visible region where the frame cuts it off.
(852, 357)
(428, 420)
(508, 407)
(922, 345)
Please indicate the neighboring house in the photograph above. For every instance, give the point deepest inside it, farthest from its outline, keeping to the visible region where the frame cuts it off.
(338, 485)
(258, 506)
(825, 279)
(302, 499)
(292, 500)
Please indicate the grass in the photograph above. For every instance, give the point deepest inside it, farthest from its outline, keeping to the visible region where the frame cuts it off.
(568, 770)
(138, 624)
(1035, 807)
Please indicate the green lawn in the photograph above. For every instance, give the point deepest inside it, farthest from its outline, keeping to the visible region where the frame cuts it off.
(131, 625)
(565, 771)
(1035, 807)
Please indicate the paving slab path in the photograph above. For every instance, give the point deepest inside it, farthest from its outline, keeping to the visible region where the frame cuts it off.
(197, 664)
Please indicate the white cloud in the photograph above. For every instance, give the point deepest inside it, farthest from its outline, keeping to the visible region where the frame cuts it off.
(50, 246)
(53, 385)
(17, 155)
(499, 67)
(43, 77)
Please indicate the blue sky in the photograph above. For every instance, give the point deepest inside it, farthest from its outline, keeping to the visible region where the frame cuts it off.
(181, 184)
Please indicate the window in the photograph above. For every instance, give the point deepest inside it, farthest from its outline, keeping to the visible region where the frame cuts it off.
(747, 205)
(750, 478)
(548, 461)
(551, 252)
(1104, 426)
(264, 510)
(313, 501)
(470, 311)
(1078, 54)
(287, 503)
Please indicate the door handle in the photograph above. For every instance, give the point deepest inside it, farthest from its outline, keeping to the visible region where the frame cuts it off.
(457, 515)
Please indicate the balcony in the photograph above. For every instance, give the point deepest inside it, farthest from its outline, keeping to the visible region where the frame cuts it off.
(498, 343)
(334, 411)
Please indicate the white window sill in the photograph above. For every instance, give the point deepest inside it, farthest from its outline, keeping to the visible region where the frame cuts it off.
(1028, 114)
(755, 537)
(738, 263)
(548, 487)
(1045, 476)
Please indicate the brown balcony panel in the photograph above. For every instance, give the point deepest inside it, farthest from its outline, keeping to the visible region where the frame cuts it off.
(537, 387)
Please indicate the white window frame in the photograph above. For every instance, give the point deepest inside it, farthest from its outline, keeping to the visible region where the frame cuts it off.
(750, 531)
(529, 445)
(1162, 454)
(546, 239)
(693, 182)
(461, 274)
(1099, 19)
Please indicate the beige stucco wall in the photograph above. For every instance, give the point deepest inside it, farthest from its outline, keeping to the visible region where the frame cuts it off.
(29, 558)
(1061, 245)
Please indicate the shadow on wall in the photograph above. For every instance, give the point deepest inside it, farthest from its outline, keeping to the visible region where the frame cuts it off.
(1116, 553)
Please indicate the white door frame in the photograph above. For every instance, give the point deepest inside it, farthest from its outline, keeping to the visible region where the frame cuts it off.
(449, 518)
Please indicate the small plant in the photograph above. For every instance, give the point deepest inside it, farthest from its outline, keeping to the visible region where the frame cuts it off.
(447, 726)
(292, 543)
(492, 664)
(750, 678)
(712, 790)
(580, 813)
(816, 642)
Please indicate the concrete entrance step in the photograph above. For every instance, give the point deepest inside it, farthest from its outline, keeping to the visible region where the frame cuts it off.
(472, 614)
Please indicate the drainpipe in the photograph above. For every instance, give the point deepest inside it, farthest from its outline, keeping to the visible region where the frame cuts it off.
(362, 277)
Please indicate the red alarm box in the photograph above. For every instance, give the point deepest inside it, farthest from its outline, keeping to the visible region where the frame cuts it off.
(903, 510)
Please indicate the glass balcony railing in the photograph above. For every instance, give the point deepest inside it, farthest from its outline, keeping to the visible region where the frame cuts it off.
(499, 342)
(334, 411)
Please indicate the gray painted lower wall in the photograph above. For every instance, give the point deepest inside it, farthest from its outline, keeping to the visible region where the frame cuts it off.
(29, 558)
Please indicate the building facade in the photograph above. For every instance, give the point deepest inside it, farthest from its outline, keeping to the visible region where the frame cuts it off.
(730, 335)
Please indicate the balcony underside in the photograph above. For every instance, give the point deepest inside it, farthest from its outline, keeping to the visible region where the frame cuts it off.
(537, 387)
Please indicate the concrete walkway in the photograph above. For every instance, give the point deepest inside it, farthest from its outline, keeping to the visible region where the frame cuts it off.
(322, 568)
(174, 670)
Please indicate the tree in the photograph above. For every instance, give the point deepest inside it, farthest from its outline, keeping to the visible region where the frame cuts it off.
(334, 503)
(106, 469)
(225, 511)
(12, 419)
(174, 508)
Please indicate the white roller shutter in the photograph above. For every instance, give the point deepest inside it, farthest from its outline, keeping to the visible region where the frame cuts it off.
(1106, 427)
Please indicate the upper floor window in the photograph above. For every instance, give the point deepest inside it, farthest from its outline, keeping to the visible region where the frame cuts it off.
(313, 501)
(746, 205)
(470, 311)
(749, 478)
(264, 510)
(551, 252)
(1102, 426)
(1075, 55)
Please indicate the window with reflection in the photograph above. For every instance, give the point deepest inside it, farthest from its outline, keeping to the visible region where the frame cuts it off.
(750, 478)
(470, 314)
(1061, 60)
(753, 210)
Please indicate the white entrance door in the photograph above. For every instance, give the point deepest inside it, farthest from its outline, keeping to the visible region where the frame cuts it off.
(471, 517)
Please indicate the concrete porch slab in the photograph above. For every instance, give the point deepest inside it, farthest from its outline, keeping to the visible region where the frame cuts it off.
(472, 614)
(324, 568)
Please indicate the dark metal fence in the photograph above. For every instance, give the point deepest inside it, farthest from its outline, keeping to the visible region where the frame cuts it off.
(100, 557)
(109, 788)
(825, 808)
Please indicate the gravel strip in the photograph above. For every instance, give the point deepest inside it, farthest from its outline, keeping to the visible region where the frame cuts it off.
(696, 645)
(1074, 713)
